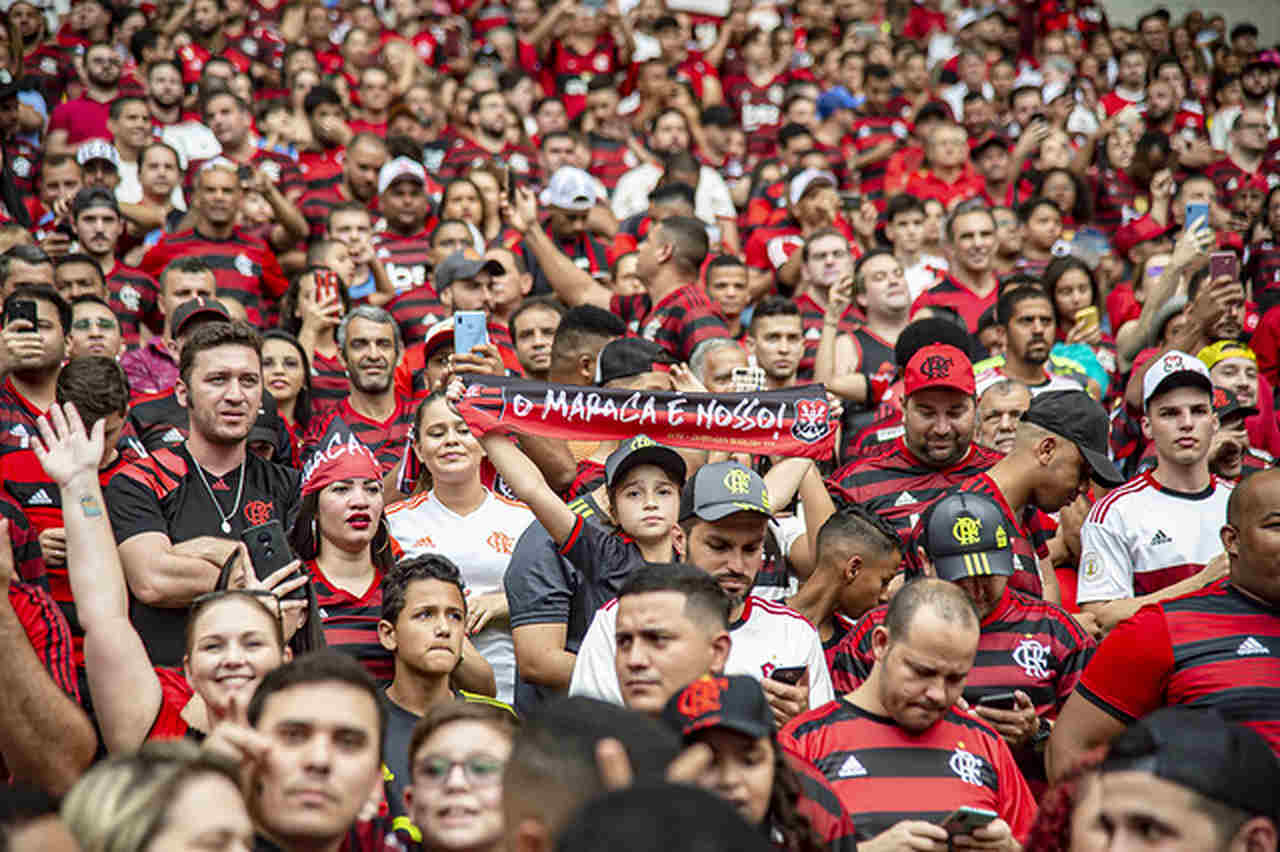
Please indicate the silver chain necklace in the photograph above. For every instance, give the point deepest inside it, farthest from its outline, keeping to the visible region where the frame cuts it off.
(235, 507)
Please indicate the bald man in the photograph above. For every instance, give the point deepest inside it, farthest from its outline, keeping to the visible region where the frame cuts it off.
(1180, 651)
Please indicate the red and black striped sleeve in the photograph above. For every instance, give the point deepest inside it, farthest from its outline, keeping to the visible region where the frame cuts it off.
(820, 805)
(852, 659)
(48, 633)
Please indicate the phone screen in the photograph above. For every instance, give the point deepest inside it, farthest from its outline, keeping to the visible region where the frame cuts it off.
(1197, 216)
(470, 330)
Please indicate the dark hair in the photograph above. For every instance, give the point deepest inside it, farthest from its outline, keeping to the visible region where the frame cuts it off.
(429, 566)
(674, 818)
(211, 335)
(1008, 303)
(301, 406)
(689, 242)
(20, 806)
(304, 538)
(90, 299)
(118, 105)
(1028, 208)
(289, 320)
(187, 264)
(1082, 210)
(585, 324)
(96, 385)
(903, 203)
(41, 293)
(501, 719)
(792, 131)
(30, 255)
(323, 666)
(724, 261)
(701, 592)
(858, 523)
(676, 190)
(719, 115)
(773, 306)
(1053, 273)
(821, 233)
(923, 332)
(858, 278)
(946, 599)
(549, 303)
(320, 94)
(441, 226)
(345, 207)
(875, 69)
(80, 257)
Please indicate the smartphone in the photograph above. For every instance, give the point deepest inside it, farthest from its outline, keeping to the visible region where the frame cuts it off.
(1224, 263)
(269, 551)
(748, 379)
(790, 675)
(21, 309)
(245, 173)
(998, 701)
(327, 284)
(1196, 213)
(511, 184)
(1088, 317)
(966, 820)
(470, 330)
(851, 201)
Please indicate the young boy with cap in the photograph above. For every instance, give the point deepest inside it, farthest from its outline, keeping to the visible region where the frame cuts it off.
(1156, 536)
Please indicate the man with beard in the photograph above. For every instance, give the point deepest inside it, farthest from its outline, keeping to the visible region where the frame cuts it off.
(1249, 135)
(178, 513)
(1255, 82)
(724, 510)
(1230, 456)
(970, 286)
(486, 139)
(85, 117)
(1186, 130)
(98, 225)
(1029, 330)
(42, 57)
(231, 121)
(369, 347)
(191, 139)
(356, 181)
(1154, 538)
(877, 744)
(35, 354)
(244, 266)
(1000, 407)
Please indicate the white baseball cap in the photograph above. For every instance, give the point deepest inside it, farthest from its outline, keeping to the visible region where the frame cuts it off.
(1174, 369)
(570, 188)
(397, 168)
(800, 183)
(98, 149)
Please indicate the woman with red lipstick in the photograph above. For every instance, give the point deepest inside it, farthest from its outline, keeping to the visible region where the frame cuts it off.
(342, 538)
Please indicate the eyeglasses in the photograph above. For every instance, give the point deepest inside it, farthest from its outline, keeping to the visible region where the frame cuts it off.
(479, 770)
(103, 324)
(261, 594)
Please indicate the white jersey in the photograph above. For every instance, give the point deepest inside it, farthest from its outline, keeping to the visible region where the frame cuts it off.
(480, 544)
(1142, 538)
(769, 636)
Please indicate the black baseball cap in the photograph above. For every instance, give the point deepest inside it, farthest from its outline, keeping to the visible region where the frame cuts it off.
(643, 450)
(734, 702)
(718, 490)
(93, 196)
(1227, 405)
(630, 356)
(966, 535)
(1079, 418)
(198, 308)
(1200, 750)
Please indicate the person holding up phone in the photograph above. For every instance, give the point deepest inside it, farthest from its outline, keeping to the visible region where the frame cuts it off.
(36, 323)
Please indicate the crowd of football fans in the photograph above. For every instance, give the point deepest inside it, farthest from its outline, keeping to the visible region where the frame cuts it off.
(276, 582)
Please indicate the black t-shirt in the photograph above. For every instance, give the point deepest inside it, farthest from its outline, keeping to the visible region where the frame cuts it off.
(162, 493)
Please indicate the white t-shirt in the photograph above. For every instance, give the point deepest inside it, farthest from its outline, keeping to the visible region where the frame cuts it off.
(711, 198)
(1142, 538)
(480, 544)
(768, 636)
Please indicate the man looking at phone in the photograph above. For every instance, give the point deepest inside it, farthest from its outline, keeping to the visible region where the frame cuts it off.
(36, 323)
(878, 744)
(178, 514)
(369, 347)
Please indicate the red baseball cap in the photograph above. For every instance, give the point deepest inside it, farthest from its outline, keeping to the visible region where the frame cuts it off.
(1137, 231)
(938, 365)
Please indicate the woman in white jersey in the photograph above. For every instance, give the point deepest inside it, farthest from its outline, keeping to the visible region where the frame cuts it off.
(461, 519)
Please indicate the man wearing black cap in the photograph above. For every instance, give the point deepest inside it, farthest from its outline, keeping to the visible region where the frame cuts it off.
(98, 225)
(724, 510)
(153, 367)
(1193, 780)
(1230, 456)
(1214, 649)
(1155, 537)
(1030, 652)
(898, 752)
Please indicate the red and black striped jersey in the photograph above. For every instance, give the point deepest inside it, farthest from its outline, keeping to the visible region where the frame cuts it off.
(589, 477)
(162, 494)
(884, 774)
(950, 293)
(569, 73)
(869, 132)
(315, 205)
(1217, 649)
(1026, 643)
(899, 487)
(386, 439)
(759, 110)
(30, 489)
(158, 421)
(586, 252)
(329, 382)
(411, 372)
(1029, 533)
(244, 267)
(18, 417)
(1228, 177)
(407, 259)
(47, 632)
(811, 317)
(54, 69)
(1115, 198)
(1262, 267)
(466, 152)
(134, 296)
(610, 159)
(281, 168)
(820, 804)
(351, 622)
(28, 560)
(680, 321)
(24, 162)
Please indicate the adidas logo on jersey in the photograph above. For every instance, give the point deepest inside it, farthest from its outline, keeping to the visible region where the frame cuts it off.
(851, 768)
(1251, 647)
(1160, 538)
(173, 436)
(40, 498)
